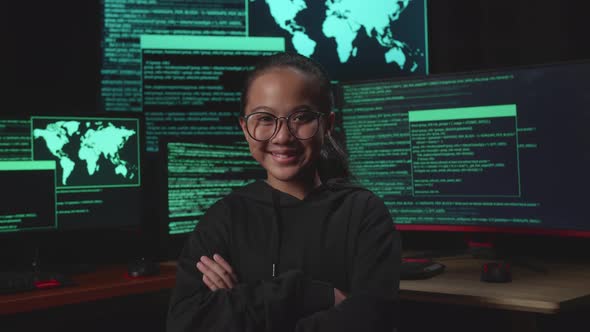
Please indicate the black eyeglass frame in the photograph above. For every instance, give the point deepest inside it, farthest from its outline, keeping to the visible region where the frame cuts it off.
(277, 118)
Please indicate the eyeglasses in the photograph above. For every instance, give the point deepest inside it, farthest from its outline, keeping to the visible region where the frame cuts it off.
(262, 126)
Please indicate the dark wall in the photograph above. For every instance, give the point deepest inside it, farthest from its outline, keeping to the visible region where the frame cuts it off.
(51, 52)
(484, 34)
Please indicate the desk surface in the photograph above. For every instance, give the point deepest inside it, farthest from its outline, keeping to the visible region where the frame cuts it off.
(106, 282)
(563, 287)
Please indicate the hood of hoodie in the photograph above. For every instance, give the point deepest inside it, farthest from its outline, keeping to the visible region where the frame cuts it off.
(262, 192)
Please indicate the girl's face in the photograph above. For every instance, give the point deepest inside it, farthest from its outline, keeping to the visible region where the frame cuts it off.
(281, 91)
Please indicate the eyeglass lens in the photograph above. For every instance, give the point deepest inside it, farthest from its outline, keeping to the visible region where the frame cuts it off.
(262, 126)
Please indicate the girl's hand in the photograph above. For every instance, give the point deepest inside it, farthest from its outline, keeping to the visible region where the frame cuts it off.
(339, 296)
(217, 273)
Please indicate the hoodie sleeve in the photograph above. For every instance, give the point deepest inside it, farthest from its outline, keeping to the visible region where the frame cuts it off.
(372, 302)
(266, 305)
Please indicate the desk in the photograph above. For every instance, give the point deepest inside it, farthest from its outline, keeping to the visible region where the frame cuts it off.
(105, 283)
(563, 287)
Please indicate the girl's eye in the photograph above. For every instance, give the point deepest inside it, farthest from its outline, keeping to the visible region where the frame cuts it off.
(303, 117)
(266, 119)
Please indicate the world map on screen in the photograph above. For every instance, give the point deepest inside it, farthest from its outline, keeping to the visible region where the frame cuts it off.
(349, 29)
(88, 152)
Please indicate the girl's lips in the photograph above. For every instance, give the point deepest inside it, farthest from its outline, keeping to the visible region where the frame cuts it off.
(284, 157)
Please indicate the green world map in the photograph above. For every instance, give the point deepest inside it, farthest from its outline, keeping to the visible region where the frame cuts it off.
(90, 142)
(343, 21)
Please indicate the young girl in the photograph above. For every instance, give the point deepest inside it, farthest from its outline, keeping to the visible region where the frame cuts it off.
(303, 250)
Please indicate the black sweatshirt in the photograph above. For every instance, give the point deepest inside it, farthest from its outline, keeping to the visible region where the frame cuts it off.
(339, 236)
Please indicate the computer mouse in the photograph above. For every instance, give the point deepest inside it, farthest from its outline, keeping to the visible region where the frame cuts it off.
(142, 267)
(496, 272)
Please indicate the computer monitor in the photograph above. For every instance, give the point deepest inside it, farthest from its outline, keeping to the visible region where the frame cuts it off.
(28, 196)
(352, 39)
(494, 151)
(96, 179)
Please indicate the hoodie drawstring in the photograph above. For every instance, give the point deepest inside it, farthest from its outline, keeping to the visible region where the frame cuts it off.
(275, 240)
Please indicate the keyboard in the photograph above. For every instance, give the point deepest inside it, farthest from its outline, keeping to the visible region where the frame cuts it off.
(21, 281)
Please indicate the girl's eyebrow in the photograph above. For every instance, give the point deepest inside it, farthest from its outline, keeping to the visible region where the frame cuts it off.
(262, 109)
(303, 108)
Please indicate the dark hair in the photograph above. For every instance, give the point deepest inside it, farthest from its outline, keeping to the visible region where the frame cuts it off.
(333, 159)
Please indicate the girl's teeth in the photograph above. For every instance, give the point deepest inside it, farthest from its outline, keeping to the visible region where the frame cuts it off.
(282, 156)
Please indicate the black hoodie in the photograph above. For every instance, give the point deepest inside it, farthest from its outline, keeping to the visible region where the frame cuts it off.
(289, 255)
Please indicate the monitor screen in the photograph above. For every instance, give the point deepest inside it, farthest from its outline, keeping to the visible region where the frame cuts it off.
(507, 150)
(28, 196)
(191, 84)
(97, 168)
(199, 174)
(352, 39)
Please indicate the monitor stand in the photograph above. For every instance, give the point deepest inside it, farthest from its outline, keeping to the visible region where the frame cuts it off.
(59, 274)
